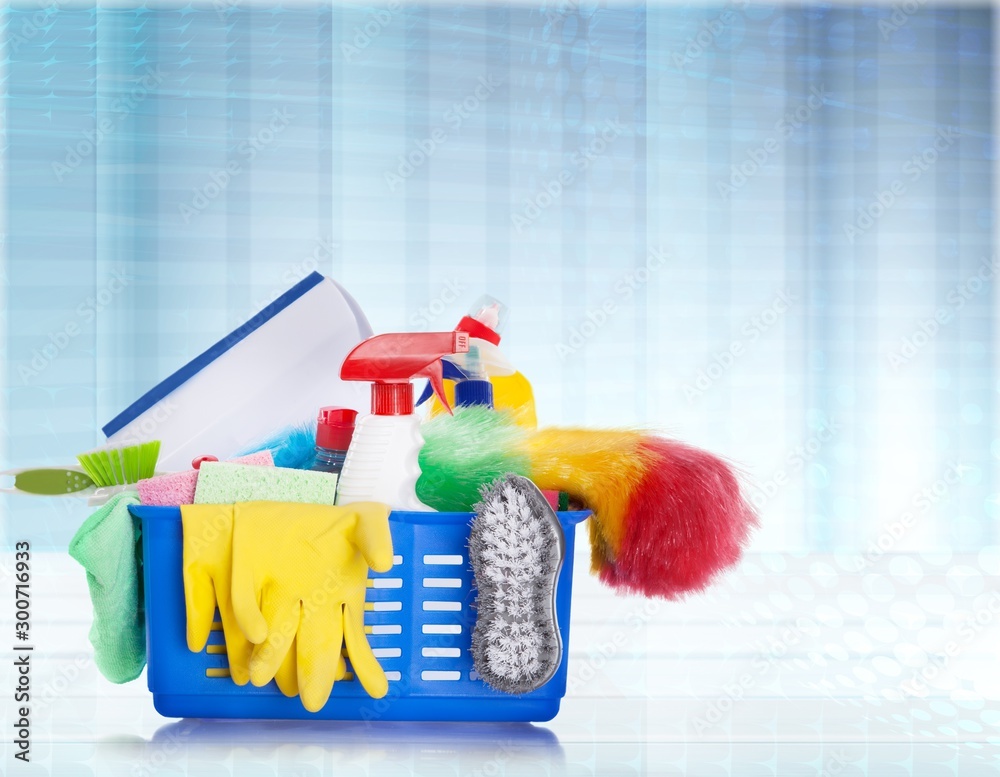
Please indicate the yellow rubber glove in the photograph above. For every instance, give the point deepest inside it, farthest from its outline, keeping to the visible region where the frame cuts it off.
(287, 676)
(300, 573)
(208, 550)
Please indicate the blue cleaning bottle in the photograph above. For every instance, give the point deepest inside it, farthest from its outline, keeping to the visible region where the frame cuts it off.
(474, 387)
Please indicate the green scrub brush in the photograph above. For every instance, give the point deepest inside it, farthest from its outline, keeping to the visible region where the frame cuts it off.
(48, 481)
(121, 464)
(117, 468)
(102, 472)
(516, 548)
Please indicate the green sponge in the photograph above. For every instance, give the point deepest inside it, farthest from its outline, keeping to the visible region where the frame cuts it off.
(221, 482)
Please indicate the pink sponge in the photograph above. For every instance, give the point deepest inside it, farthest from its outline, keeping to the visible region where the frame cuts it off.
(178, 488)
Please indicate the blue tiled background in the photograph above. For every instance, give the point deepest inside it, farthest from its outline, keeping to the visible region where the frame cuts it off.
(766, 229)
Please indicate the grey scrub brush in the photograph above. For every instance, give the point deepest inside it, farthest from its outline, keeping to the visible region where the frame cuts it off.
(516, 548)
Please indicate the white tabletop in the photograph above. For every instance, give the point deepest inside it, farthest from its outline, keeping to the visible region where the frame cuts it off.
(790, 666)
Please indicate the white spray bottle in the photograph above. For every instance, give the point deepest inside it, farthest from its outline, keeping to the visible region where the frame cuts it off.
(381, 463)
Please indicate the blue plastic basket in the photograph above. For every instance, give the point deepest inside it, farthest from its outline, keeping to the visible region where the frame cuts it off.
(421, 616)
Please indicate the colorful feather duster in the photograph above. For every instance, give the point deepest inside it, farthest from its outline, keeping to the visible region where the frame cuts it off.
(667, 516)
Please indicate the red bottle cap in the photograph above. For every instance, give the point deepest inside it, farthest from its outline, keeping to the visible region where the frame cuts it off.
(478, 329)
(392, 398)
(335, 428)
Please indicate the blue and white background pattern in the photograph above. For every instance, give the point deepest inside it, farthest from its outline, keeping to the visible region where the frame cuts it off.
(768, 229)
(765, 228)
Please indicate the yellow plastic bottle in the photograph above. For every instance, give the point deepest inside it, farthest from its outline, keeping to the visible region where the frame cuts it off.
(512, 391)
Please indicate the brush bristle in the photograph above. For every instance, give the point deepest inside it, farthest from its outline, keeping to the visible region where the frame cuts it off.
(515, 548)
(122, 463)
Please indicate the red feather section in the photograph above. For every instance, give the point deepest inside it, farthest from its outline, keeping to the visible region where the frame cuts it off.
(686, 522)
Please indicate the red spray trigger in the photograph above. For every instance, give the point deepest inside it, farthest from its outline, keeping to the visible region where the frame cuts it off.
(389, 360)
(434, 372)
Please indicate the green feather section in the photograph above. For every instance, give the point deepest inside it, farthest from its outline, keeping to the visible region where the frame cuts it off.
(463, 451)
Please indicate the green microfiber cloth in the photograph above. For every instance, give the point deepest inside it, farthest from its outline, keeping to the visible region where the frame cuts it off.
(108, 545)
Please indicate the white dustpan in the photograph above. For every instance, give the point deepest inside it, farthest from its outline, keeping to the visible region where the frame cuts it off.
(276, 370)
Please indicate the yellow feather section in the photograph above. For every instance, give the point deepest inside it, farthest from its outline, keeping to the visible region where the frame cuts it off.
(602, 469)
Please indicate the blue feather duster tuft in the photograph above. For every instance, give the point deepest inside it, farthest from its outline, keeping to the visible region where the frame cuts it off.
(293, 447)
